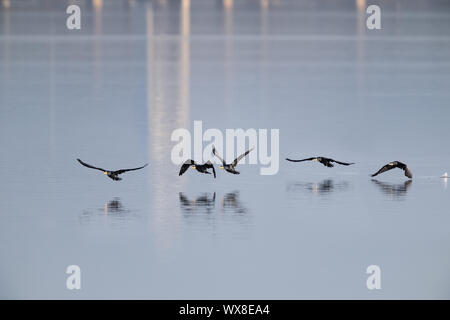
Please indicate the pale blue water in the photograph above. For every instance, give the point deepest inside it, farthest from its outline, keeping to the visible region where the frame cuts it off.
(113, 92)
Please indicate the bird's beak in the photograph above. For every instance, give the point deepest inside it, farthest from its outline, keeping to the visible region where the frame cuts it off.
(391, 164)
(193, 167)
(315, 160)
(105, 172)
(221, 167)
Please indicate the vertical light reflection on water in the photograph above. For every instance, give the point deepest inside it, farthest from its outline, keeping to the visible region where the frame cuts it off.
(98, 49)
(228, 72)
(264, 27)
(167, 111)
(264, 9)
(228, 30)
(6, 23)
(360, 33)
(184, 63)
(98, 6)
(52, 119)
(5, 43)
(5, 59)
(264, 4)
(360, 57)
(6, 4)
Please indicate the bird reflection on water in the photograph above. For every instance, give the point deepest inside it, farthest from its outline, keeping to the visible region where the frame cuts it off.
(230, 213)
(113, 211)
(115, 207)
(324, 187)
(205, 203)
(394, 191)
(232, 203)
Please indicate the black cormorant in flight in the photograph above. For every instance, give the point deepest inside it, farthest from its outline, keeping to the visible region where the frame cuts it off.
(325, 161)
(112, 174)
(202, 168)
(392, 165)
(231, 166)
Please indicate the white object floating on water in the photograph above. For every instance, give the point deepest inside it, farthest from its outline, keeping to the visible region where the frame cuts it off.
(445, 175)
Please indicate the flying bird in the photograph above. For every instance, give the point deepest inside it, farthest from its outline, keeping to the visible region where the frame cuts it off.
(325, 161)
(392, 165)
(202, 168)
(230, 167)
(112, 174)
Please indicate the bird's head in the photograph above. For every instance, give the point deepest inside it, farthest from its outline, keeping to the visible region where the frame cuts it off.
(391, 163)
(221, 167)
(106, 172)
(193, 167)
(316, 159)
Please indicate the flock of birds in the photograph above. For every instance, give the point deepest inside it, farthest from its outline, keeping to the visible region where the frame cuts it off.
(231, 167)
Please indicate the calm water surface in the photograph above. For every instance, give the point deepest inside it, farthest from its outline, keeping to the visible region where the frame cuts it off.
(113, 92)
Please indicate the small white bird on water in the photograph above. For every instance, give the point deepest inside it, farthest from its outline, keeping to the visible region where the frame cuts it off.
(445, 176)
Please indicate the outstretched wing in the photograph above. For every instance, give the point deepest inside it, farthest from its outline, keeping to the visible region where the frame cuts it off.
(383, 169)
(186, 165)
(89, 166)
(235, 162)
(307, 159)
(343, 163)
(217, 155)
(408, 173)
(208, 164)
(132, 169)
